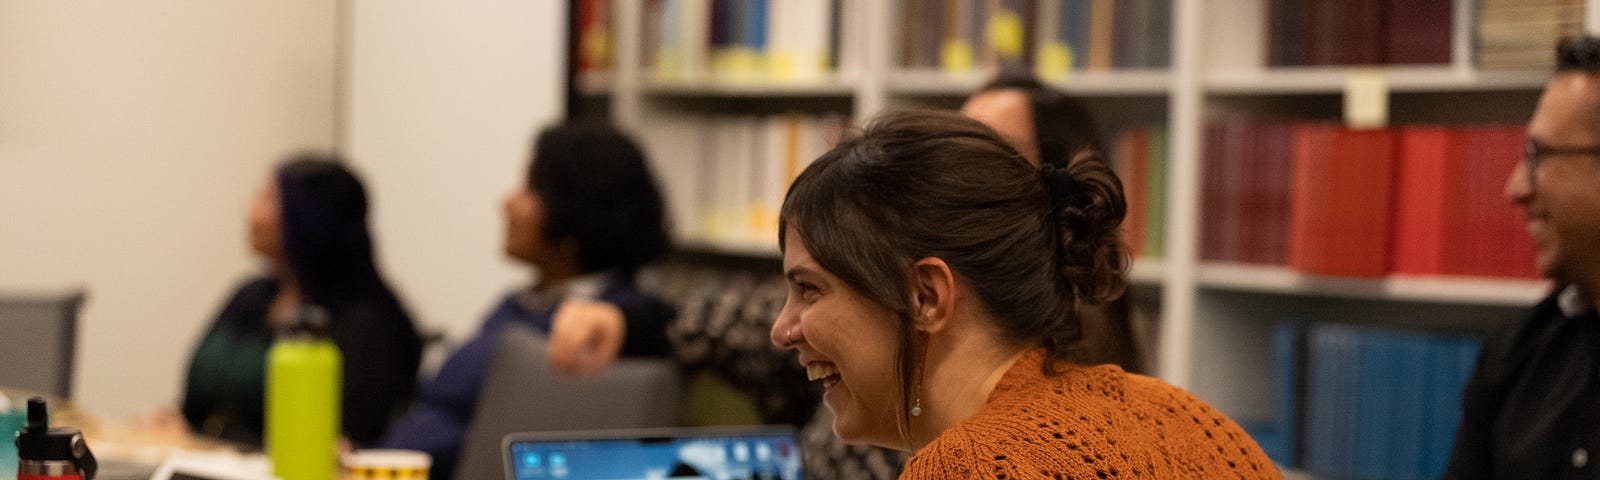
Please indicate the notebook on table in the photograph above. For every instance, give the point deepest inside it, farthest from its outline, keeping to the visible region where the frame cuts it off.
(756, 453)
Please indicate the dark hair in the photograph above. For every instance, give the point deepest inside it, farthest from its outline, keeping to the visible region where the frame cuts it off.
(326, 242)
(918, 184)
(1061, 123)
(324, 222)
(597, 190)
(1064, 127)
(1578, 53)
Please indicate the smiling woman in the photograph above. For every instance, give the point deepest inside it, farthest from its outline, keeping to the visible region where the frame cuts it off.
(935, 278)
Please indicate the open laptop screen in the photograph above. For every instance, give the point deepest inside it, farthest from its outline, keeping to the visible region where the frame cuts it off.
(712, 453)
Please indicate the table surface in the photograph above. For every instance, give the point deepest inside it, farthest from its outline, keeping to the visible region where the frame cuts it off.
(125, 451)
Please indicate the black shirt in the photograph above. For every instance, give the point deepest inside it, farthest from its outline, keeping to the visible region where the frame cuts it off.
(1532, 407)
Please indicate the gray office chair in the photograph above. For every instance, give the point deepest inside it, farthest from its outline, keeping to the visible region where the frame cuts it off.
(38, 333)
(523, 394)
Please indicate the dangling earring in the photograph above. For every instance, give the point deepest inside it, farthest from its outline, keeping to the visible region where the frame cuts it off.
(922, 360)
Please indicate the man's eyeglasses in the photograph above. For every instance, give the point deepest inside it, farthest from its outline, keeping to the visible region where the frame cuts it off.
(1534, 152)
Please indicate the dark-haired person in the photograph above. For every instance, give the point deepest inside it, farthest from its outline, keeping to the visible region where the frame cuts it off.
(1529, 410)
(935, 277)
(587, 217)
(1042, 122)
(309, 222)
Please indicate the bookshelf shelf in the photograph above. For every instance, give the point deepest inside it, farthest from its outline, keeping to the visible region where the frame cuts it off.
(1452, 290)
(1147, 272)
(734, 89)
(1115, 83)
(1331, 80)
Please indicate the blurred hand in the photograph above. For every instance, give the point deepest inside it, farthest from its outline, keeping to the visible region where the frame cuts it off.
(164, 422)
(585, 336)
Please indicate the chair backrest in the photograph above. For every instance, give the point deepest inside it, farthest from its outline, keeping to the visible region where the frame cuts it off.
(523, 394)
(38, 333)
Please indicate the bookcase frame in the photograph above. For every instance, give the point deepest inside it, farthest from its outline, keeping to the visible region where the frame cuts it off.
(1215, 318)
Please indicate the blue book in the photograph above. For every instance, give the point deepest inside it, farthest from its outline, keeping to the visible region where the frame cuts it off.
(1460, 358)
(1372, 399)
(1410, 408)
(1287, 341)
(755, 25)
(1331, 435)
(1074, 29)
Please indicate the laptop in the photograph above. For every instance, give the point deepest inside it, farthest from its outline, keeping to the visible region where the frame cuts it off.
(754, 453)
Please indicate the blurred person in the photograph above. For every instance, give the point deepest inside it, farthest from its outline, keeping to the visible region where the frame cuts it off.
(309, 222)
(1529, 409)
(1044, 124)
(587, 216)
(918, 301)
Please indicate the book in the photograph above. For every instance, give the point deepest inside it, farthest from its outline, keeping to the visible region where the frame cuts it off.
(1418, 31)
(1339, 215)
(1156, 194)
(1131, 162)
(1424, 166)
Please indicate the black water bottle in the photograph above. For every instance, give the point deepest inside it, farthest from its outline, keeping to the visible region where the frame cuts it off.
(45, 453)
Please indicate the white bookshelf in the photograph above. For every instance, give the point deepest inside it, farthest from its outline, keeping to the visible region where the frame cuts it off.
(1331, 80)
(1215, 318)
(1432, 289)
(1147, 272)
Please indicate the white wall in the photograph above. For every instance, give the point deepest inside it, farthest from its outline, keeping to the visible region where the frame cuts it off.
(442, 103)
(131, 135)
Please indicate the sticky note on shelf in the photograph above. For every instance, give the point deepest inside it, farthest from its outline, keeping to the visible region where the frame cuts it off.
(1366, 99)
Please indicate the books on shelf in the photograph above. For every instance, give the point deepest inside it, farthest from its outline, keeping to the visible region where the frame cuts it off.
(1139, 157)
(752, 41)
(730, 172)
(1522, 34)
(1249, 169)
(1358, 32)
(1450, 218)
(1357, 402)
(1051, 37)
(1323, 199)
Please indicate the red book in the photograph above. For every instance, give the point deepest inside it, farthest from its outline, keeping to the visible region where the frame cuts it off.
(1489, 236)
(1359, 34)
(1227, 173)
(1319, 32)
(1211, 190)
(1423, 166)
(1275, 153)
(1417, 31)
(1132, 165)
(1339, 222)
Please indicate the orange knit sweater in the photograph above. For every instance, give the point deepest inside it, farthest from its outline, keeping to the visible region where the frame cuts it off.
(1090, 423)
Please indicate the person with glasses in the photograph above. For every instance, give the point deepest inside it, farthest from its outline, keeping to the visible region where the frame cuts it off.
(1532, 407)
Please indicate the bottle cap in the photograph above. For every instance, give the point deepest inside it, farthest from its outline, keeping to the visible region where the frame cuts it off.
(39, 442)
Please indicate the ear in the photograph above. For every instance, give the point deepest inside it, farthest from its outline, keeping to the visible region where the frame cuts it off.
(933, 291)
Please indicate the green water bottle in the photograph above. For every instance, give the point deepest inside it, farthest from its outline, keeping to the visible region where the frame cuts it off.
(303, 400)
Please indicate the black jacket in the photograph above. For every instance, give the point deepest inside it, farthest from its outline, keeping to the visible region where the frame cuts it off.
(1532, 407)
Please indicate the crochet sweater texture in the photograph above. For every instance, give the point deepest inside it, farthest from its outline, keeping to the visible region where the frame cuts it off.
(1090, 423)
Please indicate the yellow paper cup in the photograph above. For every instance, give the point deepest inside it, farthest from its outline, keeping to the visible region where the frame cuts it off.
(385, 465)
